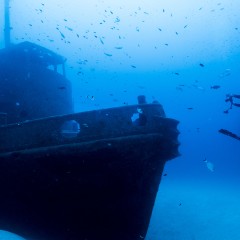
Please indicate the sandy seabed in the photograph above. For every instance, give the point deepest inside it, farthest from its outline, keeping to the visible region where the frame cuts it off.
(186, 210)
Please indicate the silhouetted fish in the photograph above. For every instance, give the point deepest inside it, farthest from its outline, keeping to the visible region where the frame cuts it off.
(108, 54)
(62, 88)
(215, 87)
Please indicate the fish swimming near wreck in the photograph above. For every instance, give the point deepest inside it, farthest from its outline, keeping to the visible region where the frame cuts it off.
(215, 87)
(209, 165)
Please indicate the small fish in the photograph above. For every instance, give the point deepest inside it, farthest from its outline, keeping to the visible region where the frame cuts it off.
(91, 97)
(201, 65)
(108, 54)
(101, 40)
(176, 73)
(118, 47)
(62, 87)
(198, 87)
(190, 108)
(117, 20)
(209, 165)
(215, 87)
(68, 28)
(165, 174)
(133, 66)
(63, 36)
(179, 88)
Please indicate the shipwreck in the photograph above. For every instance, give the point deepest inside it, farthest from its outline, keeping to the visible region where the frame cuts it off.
(64, 175)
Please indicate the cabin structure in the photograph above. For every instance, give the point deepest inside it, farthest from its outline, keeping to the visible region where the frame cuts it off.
(33, 83)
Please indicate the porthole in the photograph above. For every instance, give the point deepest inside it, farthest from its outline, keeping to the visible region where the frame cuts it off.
(70, 129)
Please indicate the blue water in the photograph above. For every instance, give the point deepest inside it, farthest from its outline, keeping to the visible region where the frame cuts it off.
(171, 51)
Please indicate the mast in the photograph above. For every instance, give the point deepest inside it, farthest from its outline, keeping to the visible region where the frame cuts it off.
(7, 27)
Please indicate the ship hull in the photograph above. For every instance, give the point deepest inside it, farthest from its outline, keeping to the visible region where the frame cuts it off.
(96, 188)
